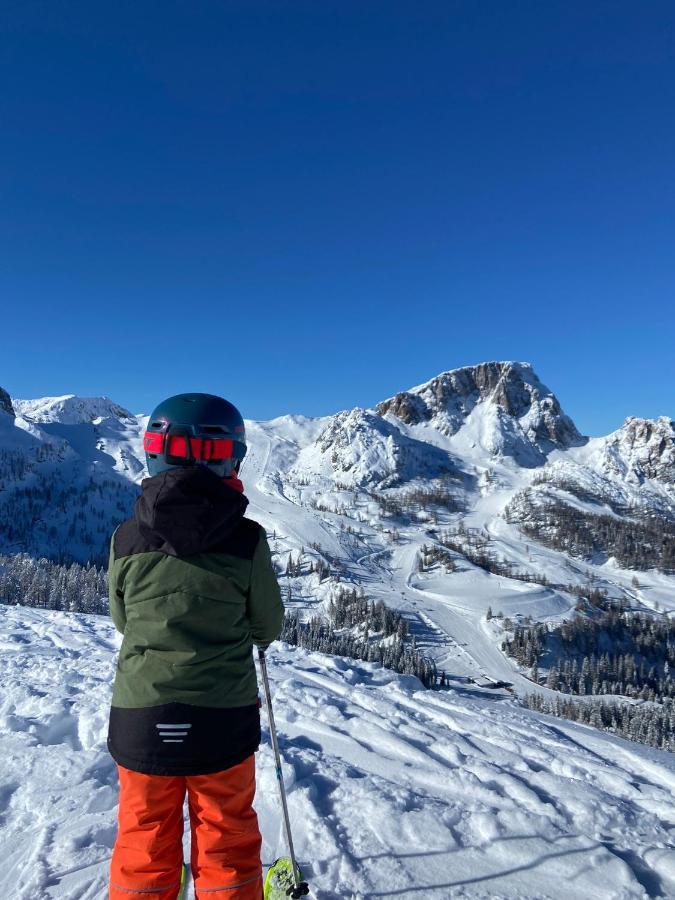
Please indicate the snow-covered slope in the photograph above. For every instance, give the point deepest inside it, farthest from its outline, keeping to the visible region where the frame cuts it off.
(69, 469)
(394, 791)
(69, 409)
(361, 449)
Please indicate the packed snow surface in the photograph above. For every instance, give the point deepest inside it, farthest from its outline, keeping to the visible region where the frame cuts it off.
(394, 791)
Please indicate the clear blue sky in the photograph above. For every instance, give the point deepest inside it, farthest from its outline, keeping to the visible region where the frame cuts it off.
(309, 206)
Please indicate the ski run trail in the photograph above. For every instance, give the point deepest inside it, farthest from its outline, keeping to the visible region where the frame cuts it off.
(394, 791)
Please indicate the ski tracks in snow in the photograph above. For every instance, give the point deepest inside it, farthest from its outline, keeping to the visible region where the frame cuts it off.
(394, 792)
(447, 796)
(58, 821)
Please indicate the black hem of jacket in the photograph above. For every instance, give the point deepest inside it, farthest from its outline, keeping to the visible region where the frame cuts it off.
(215, 739)
(168, 769)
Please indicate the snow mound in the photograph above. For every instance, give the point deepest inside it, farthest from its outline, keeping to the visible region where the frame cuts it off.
(393, 791)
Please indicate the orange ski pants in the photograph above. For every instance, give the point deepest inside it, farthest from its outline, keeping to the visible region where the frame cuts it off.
(225, 855)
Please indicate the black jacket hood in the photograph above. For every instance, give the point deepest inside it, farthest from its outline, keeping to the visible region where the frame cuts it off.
(188, 510)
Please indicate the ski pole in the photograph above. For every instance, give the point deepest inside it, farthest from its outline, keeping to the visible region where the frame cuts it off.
(300, 887)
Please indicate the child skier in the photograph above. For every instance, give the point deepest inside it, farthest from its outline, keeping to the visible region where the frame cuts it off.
(192, 587)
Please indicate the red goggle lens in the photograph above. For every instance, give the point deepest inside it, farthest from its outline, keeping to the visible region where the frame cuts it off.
(202, 448)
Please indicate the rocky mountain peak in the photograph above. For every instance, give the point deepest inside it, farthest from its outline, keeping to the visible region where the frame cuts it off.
(6, 403)
(511, 388)
(643, 448)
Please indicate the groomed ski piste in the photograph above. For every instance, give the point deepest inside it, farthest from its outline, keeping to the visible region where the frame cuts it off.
(394, 791)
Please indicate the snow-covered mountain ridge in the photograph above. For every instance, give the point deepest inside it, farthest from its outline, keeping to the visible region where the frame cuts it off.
(69, 469)
(70, 409)
(512, 389)
(495, 420)
(437, 502)
(360, 448)
(494, 410)
(643, 449)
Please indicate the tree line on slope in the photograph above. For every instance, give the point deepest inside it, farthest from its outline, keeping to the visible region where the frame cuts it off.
(406, 504)
(644, 541)
(381, 635)
(647, 723)
(476, 547)
(45, 515)
(614, 651)
(300, 566)
(44, 584)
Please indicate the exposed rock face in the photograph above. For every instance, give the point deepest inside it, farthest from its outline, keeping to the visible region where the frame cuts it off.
(512, 387)
(501, 408)
(409, 408)
(6, 403)
(643, 448)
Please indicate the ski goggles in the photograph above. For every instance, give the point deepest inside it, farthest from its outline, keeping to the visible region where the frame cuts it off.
(179, 446)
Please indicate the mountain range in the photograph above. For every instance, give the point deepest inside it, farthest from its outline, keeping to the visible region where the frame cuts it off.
(76, 460)
(472, 491)
(525, 560)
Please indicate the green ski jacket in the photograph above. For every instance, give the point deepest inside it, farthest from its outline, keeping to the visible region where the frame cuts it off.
(192, 588)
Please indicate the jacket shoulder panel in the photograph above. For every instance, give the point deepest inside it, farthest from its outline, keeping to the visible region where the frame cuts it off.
(127, 540)
(242, 541)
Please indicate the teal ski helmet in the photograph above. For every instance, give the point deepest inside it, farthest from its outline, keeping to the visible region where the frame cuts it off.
(195, 429)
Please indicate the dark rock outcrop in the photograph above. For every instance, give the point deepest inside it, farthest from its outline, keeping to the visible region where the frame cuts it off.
(6, 403)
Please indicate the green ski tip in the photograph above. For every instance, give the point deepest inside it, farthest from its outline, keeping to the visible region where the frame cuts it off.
(279, 881)
(183, 881)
